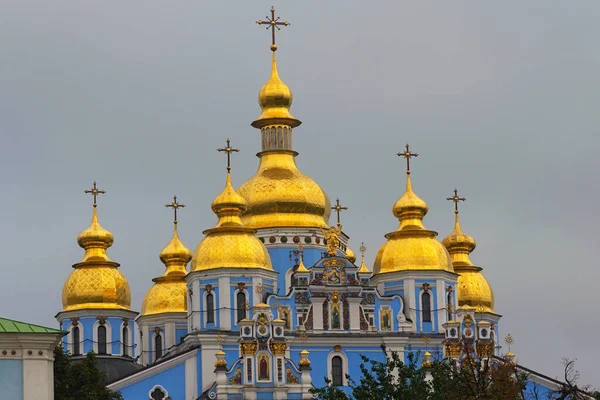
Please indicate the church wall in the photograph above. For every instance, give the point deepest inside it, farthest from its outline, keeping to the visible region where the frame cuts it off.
(11, 379)
(180, 332)
(172, 380)
(280, 258)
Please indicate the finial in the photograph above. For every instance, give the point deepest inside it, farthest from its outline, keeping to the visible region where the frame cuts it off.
(228, 149)
(94, 191)
(175, 205)
(363, 250)
(456, 199)
(272, 24)
(509, 340)
(338, 209)
(408, 155)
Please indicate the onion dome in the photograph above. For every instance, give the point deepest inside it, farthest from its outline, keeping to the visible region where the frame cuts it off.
(301, 267)
(350, 255)
(279, 195)
(230, 244)
(169, 292)
(473, 289)
(96, 282)
(411, 246)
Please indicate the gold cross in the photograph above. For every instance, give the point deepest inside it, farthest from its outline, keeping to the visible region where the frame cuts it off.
(273, 23)
(456, 199)
(229, 150)
(408, 155)
(94, 191)
(338, 209)
(175, 205)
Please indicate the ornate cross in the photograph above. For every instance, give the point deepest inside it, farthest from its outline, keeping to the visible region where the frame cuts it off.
(94, 191)
(362, 250)
(408, 155)
(228, 149)
(273, 23)
(338, 209)
(456, 199)
(175, 205)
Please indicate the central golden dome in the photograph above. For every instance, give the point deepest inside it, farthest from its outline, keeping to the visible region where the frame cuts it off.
(279, 194)
(96, 281)
(230, 244)
(411, 246)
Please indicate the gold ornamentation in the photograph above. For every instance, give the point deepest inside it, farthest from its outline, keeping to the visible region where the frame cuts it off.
(425, 287)
(468, 321)
(426, 340)
(453, 349)
(485, 349)
(102, 320)
(335, 297)
(241, 286)
(509, 340)
(304, 361)
(249, 348)
(332, 237)
(338, 209)
(260, 288)
(278, 348)
(221, 362)
(337, 348)
(208, 288)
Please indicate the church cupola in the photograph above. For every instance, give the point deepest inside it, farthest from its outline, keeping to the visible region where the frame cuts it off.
(279, 195)
(473, 289)
(411, 246)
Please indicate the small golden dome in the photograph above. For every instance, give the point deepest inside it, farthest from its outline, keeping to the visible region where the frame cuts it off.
(280, 195)
(411, 246)
(350, 255)
(473, 289)
(230, 244)
(301, 267)
(363, 267)
(169, 292)
(275, 99)
(96, 281)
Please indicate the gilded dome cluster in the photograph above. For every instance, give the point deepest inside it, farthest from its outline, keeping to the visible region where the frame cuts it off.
(96, 282)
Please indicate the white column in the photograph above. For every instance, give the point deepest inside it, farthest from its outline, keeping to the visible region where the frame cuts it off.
(441, 304)
(256, 298)
(410, 301)
(196, 301)
(224, 304)
(317, 306)
(170, 335)
(145, 344)
(38, 377)
(354, 303)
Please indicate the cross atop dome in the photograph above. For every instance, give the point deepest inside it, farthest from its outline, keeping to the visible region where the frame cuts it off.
(456, 199)
(272, 24)
(94, 191)
(408, 155)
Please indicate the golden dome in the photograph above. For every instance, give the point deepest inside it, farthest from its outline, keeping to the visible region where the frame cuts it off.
(350, 255)
(275, 99)
(411, 246)
(96, 281)
(301, 267)
(473, 289)
(230, 244)
(169, 292)
(363, 267)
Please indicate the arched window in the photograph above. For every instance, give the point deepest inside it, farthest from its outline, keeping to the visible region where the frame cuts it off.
(125, 341)
(157, 346)
(426, 306)
(337, 371)
(241, 306)
(76, 341)
(101, 339)
(210, 308)
(450, 307)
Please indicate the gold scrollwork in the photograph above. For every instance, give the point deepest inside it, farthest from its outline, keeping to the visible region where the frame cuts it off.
(278, 348)
(249, 348)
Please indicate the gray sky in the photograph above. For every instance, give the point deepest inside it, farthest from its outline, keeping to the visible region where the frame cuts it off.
(499, 99)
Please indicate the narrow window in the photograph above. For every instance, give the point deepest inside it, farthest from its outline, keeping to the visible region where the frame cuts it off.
(157, 346)
(101, 339)
(336, 371)
(210, 308)
(76, 341)
(450, 307)
(241, 306)
(426, 306)
(125, 341)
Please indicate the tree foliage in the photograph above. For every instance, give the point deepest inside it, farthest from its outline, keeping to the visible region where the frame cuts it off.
(394, 379)
(81, 380)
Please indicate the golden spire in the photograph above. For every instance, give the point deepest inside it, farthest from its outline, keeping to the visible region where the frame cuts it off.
(411, 246)
(301, 267)
(410, 208)
(363, 268)
(275, 98)
(230, 244)
(95, 281)
(459, 244)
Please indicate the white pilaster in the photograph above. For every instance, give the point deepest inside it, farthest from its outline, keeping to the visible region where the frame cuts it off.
(317, 306)
(354, 304)
(441, 304)
(224, 304)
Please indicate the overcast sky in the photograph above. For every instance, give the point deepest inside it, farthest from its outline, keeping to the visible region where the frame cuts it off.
(500, 99)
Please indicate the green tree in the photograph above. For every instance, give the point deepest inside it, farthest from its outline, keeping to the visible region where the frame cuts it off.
(81, 380)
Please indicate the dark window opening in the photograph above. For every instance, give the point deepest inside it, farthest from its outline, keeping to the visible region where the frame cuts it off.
(426, 306)
(336, 371)
(241, 306)
(101, 339)
(76, 341)
(210, 308)
(157, 346)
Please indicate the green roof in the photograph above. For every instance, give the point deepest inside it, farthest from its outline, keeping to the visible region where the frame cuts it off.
(10, 326)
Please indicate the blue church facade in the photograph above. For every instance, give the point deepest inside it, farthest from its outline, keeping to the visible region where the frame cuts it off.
(274, 300)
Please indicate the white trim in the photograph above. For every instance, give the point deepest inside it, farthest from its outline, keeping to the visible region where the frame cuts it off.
(81, 339)
(288, 280)
(108, 336)
(151, 371)
(344, 366)
(158, 387)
